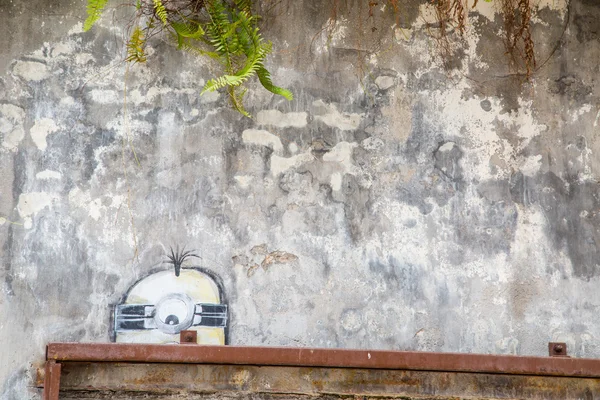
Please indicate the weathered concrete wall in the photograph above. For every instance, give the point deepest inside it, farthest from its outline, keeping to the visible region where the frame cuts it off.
(414, 208)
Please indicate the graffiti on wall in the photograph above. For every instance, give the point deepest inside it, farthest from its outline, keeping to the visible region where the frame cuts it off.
(158, 307)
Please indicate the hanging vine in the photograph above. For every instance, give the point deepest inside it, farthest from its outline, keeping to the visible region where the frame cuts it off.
(227, 31)
(517, 34)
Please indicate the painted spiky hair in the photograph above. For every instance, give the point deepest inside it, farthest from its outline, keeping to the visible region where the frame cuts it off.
(177, 257)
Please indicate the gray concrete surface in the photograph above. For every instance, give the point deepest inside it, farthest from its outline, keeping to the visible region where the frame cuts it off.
(420, 208)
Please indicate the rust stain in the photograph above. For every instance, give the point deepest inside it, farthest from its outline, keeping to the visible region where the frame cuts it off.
(260, 249)
(306, 357)
(372, 383)
(278, 257)
(252, 270)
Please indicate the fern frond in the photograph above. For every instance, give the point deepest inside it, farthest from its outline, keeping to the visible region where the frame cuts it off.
(185, 45)
(161, 11)
(265, 79)
(184, 33)
(94, 11)
(235, 37)
(135, 46)
(254, 48)
(243, 5)
(251, 66)
(237, 100)
(222, 81)
(218, 30)
(189, 30)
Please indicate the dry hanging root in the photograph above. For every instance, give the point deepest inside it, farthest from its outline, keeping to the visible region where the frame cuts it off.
(452, 14)
(459, 15)
(517, 34)
(449, 13)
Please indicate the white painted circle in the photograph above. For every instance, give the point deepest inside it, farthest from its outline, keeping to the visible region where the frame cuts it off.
(174, 313)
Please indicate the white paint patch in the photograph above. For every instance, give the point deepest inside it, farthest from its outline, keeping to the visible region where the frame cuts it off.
(403, 34)
(282, 164)
(262, 138)
(79, 198)
(84, 58)
(11, 125)
(293, 148)
(329, 114)
(281, 120)
(585, 109)
(31, 70)
(77, 28)
(155, 92)
(531, 165)
(384, 82)
(48, 174)
(13, 138)
(336, 181)
(342, 153)
(529, 127)
(209, 97)
(244, 180)
(372, 143)
(12, 112)
(67, 101)
(95, 208)
(40, 130)
(135, 97)
(104, 96)
(448, 146)
(489, 9)
(34, 202)
(62, 48)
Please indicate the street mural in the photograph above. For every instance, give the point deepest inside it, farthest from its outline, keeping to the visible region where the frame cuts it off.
(158, 307)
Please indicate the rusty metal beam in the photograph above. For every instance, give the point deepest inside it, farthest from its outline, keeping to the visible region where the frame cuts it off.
(235, 382)
(338, 358)
(51, 380)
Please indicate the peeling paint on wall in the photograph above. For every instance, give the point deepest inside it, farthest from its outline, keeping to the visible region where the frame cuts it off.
(393, 204)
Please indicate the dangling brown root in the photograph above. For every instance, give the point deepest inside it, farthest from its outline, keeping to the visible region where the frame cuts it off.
(517, 35)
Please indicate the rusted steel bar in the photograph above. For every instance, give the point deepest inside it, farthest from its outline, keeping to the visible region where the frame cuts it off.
(341, 358)
(287, 382)
(51, 380)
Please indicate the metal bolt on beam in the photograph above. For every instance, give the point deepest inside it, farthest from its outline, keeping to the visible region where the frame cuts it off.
(557, 349)
(188, 337)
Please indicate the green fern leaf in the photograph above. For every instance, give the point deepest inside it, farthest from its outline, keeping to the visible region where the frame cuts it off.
(218, 30)
(265, 79)
(191, 30)
(221, 82)
(234, 36)
(94, 11)
(185, 33)
(185, 45)
(135, 46)
(237, 100)
(161, 11)
(243, 5)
